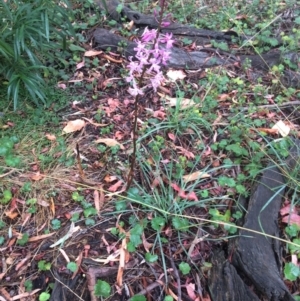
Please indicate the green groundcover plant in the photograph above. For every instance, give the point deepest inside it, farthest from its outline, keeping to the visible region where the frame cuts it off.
(30, 31)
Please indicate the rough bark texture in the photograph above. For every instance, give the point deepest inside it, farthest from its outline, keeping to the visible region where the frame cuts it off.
(255, 259)
(204, 58)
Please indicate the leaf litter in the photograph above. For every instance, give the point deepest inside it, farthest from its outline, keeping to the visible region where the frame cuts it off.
(105, 177)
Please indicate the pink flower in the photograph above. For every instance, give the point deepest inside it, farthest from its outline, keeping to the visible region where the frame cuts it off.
(168, 39)
(135, 91)
(149, 35)
(158, 55)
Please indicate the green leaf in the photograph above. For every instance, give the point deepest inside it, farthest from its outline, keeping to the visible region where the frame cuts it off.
(2, 239)
(56, 224)
(131, 247)
(230, 229)
(90, 211)
(12, 161)
(44, 296)
(180, 223)
(75, 217)
(138, 298)
(293, 248)
(28, 285)
(184, 268)
(44, 266)
(121, 205)
(292, 230)
(22, 241)
(102, 289)
(151, 257)
(157, 223)
(168, 298)
(77, 197)
(31, 201)
(73, 47)
(72, 266)
(291, 271)
(90, 222)
(2, 224)
(226, 181)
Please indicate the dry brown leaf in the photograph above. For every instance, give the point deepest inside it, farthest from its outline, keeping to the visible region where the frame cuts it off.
(195, 176)
(80, 65)
(223, 97)
(147, 245)
(123, 250)
(268, 131)
(52, 206)
(37, 176)
(110, 142)
(39, 237)
(50, 137)
(12, 214)
(73, 126)
(115, 187)
(109, 179)
(92, 53)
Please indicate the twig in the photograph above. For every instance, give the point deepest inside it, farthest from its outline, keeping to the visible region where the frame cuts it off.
(176, 274)
(274, 106)
(152, 286)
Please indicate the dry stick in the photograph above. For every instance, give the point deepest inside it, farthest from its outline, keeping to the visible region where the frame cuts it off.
(135, 130)
(176, 274)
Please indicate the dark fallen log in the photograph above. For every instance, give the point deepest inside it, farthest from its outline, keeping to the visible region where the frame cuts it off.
(206, 58)
(200, 36)
(255, 259)
(194, 60)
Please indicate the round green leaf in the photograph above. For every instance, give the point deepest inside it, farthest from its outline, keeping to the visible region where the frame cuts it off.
(102, 289)
(138, 298)
(151, 257)
(184, 268)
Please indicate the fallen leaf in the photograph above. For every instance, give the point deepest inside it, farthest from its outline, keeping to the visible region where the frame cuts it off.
(74, 125)
(12, 214)
(282, 128)
(293, 218)
(190, 288)
(80, 65)
(223, 97)
(182, 103)
(50, 137)
(288, 209)
(39, 237)
(267, 131)
(115, 187)
(172, 136)
(92, 53)
(176, 74)
(109, 179)
(52, 206)
(185, 153)
(147, 245)
(191, 196)
(195, 176)
(37, 176)
(62, 86)
(109, 142)
(71, 231)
